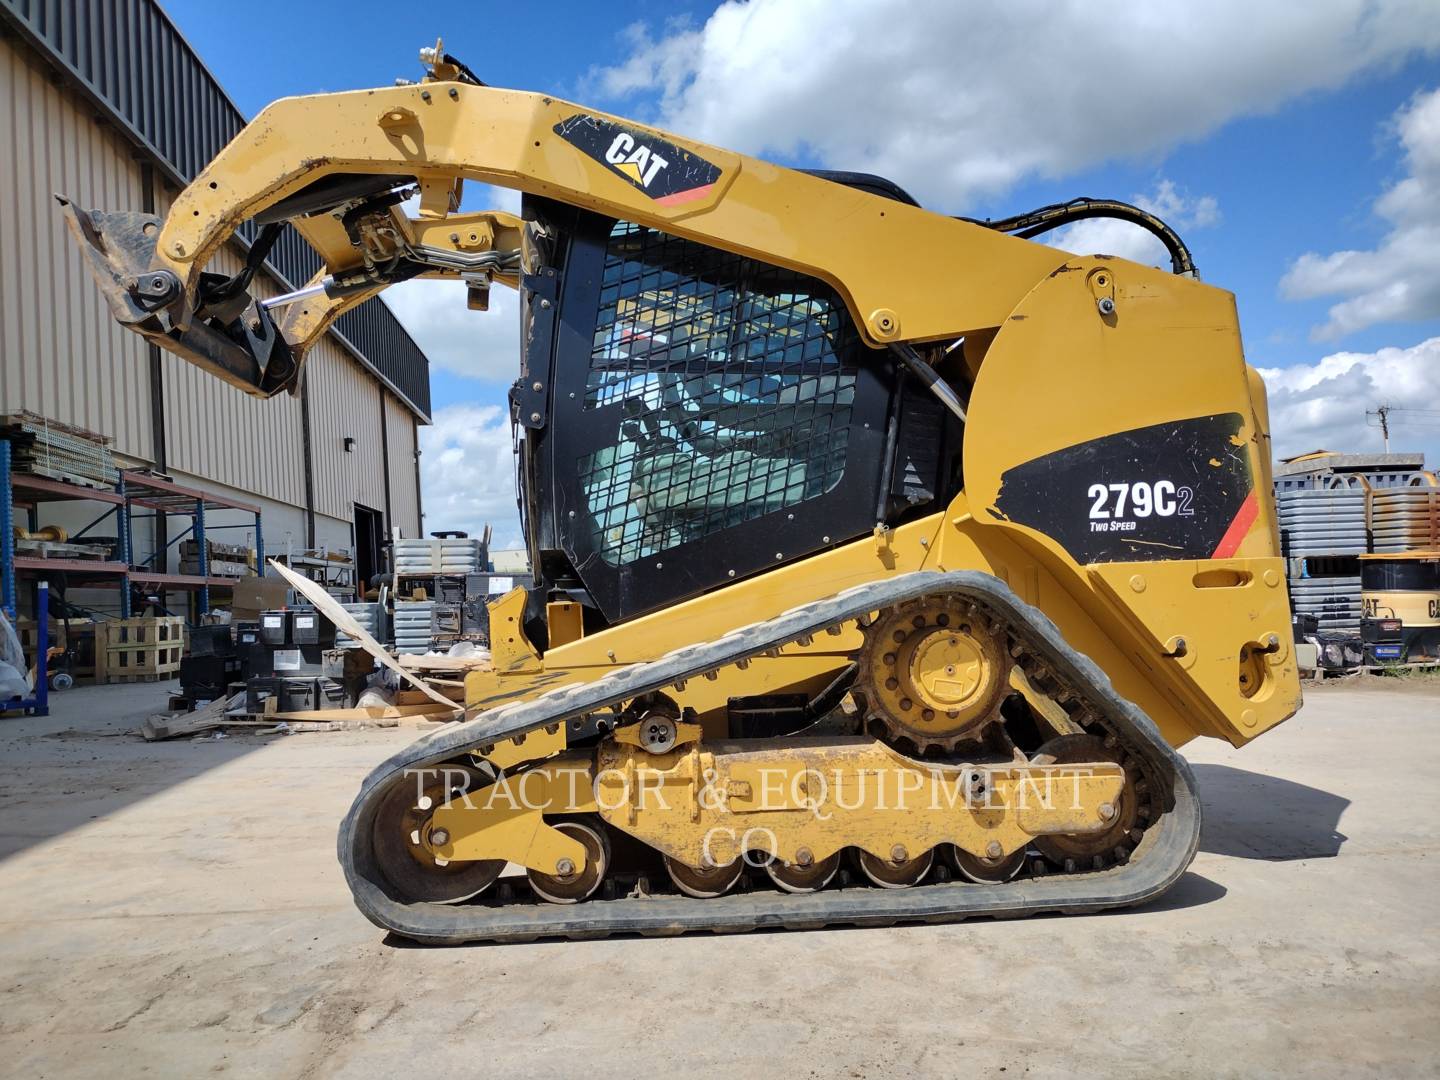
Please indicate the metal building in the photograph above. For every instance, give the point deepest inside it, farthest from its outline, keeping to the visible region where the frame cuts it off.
(107, 103)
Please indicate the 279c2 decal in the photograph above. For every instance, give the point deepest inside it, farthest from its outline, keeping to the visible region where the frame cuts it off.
(1177, 490)
(1117, 502)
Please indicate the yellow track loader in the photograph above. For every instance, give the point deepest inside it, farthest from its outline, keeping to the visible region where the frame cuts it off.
(881, 559)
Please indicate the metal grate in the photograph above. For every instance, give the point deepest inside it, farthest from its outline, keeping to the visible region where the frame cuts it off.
(735, 380)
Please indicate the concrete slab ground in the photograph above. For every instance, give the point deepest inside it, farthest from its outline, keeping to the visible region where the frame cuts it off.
(176, 910)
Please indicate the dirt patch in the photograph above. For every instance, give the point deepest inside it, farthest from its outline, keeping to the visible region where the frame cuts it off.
(1424, 683)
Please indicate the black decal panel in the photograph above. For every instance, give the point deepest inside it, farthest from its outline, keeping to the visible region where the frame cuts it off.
(656, 166)
(1171, 491)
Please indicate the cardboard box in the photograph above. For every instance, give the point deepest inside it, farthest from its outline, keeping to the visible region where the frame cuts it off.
(254, 595)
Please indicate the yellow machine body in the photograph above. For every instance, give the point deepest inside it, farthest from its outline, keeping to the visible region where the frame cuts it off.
(1060, 358)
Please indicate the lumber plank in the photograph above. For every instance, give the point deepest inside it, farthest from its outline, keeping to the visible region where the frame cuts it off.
(386, 712)
(455, 692)
(169, 725)
(337, 725)
(412, 662)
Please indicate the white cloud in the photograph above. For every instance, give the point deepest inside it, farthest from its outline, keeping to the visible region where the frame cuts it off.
(478, 344)
(467, 462)
(1399, 280)
(956, 102)
(467, 472)
(1109, 236)
(1323, 405)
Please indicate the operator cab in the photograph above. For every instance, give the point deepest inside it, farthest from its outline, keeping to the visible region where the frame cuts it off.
(691, 416)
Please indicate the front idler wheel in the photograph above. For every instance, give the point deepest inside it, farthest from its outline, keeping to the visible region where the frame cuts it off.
(402, 829)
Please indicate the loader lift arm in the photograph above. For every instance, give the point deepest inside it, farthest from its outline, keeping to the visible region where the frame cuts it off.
(337, 166)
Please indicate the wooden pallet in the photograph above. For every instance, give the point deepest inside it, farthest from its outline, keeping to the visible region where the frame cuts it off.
(139, 650)
(51, 549)
(40, 469)
(218, 568)
(171, 725)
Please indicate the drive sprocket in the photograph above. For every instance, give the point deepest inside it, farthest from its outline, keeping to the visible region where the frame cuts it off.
(933, 673)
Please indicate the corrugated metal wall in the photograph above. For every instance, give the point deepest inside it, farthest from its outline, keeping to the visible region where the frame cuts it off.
(128, 57)
(341, 405)
(61, 354)
(214, 430)
(404, 490)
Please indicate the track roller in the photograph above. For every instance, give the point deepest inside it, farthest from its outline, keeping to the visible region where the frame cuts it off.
(795, 878)
(577, 884)
(1096, 851)
(897, 872)
(984, 871)
(707, 883)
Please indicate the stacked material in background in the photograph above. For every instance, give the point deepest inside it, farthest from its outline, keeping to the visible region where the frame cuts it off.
(1322, 530)
(223, 560)
(451, 555)
(371, 617)
(1334, 600)
(1322, 521)
(142, 649)
(1405, 519)
(59, 451)
(412, 626)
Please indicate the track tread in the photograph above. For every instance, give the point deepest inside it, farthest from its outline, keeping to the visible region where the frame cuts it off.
(1167, 846)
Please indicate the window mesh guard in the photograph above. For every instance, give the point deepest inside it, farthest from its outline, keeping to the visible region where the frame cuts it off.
(735, 381)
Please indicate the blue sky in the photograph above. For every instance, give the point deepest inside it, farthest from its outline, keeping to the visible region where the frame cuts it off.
(1267, 138)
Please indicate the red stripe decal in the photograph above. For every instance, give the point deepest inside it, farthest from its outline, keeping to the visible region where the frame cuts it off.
(689, 195)
(1244, 518)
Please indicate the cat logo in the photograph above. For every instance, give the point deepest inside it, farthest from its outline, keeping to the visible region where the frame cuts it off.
(668, 174)
(635, 160)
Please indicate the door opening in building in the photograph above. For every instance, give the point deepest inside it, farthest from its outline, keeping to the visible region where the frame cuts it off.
(369, 537)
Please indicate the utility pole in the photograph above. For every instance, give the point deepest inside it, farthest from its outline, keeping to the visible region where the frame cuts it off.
(1383, 412)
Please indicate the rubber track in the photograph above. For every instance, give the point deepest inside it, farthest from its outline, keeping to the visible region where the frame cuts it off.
(1162, 856)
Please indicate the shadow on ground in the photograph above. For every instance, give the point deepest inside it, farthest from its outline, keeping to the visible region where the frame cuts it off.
(1252, 816)
(85, 761)
(1192, 890)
